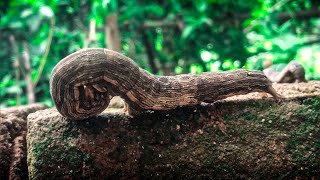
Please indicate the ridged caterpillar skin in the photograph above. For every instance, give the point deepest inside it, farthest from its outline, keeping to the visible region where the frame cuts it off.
(82, 84)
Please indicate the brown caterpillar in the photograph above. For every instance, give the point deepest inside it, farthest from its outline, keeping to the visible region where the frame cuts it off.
(83, 83)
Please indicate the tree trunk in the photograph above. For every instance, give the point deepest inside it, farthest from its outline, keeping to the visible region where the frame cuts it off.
(27, 65)
(112, 39)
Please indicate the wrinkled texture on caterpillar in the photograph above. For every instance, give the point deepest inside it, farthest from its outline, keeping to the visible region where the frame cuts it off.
(83, 83)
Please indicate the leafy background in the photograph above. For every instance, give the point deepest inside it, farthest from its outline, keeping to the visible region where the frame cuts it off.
(163, 37)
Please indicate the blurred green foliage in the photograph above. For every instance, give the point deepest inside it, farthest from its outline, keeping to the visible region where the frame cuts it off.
(186, 36)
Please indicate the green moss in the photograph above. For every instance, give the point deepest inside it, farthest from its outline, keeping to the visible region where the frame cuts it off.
(35, 157)
(311, 110)
(249, 116)
(304, 142)
(227, 117)
(46, 155)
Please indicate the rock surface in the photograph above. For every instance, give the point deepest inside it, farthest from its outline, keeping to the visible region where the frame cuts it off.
(242, 137)
(13, 146)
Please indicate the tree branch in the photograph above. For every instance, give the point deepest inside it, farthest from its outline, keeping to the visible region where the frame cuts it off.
(304, 14)
(149, 50)
(45, 55)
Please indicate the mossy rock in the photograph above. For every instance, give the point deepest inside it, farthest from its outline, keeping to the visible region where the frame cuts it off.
(236, 138)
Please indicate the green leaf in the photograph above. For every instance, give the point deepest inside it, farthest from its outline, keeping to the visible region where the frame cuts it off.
(247, 22)
(187, 31)
(285, 26)
(195, 69)
(11, 102)
(178, 70)
(14, 90)
(70, 10)
(5, 81)
(201, 5)
(34, 23)
(206, 56)
(15, 24)
(236, 64)
(215, 66)
(155, 9)
(227, 64)
(26, 13)
(158, 42)
(268, 45)
(105, 3)
(46, 11)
